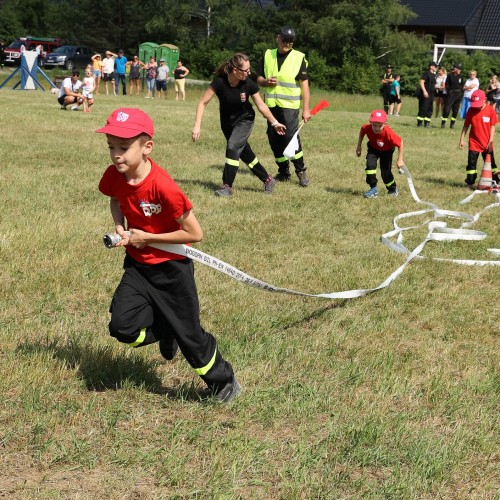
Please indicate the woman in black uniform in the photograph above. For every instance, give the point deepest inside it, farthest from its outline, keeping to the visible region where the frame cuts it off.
(237, 116)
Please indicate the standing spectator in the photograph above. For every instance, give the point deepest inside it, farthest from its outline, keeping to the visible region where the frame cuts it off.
(493, 92)
(121, 68)
(283, 74)
(453, 96)
(481, 119)
(386, 81)
(395, 97)
(233, 88)
(161, 78)
(151, 74)
(156, 300)
(97, 71)
(108, 71)
(440, 90)
(427, 85)
(68, 93)
(382, 142)
(180, 73)
(471, 85)
(39, 54)
(134, 74)
(88, 88)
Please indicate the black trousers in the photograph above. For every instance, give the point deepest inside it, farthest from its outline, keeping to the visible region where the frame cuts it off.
(386, 92)
(237, 148)
(471, 167)
(385, 158)
(425, 105)
(155, 301)
(278, 143)
(452, 103)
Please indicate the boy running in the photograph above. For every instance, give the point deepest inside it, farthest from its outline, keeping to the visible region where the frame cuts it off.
(382, 141)
(156, 300)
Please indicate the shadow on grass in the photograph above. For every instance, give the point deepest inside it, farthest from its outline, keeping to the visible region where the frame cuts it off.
(103, 368)
(445, 182)
(212, 186)
(348, 191)
(315, 315)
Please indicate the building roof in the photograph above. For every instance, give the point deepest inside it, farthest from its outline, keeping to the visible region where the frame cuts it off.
(443, 12)
(488, 32)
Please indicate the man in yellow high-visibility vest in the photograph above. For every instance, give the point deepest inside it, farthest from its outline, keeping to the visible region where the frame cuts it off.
(283, 75)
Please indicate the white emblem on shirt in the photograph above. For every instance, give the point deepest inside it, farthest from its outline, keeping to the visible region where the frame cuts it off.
(150, 208)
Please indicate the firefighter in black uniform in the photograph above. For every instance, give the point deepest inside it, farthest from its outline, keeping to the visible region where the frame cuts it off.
(426, 96)
(454, 84)
(387, 79)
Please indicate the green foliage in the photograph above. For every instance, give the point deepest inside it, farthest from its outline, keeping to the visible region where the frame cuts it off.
(347, 42)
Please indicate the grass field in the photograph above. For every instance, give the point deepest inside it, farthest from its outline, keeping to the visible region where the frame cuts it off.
(394, 395)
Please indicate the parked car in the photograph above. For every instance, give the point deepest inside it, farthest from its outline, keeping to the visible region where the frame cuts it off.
(69, 57)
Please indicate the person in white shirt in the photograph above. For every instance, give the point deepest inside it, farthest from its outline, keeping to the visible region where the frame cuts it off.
(161, 78)
(471, 85)
(88, 89)
(108, 71)
(68, 93)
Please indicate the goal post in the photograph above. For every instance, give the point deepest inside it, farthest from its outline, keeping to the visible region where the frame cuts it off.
(444, 46)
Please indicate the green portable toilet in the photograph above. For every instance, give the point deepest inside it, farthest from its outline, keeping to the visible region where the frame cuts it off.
(170, 53)
(146, 50)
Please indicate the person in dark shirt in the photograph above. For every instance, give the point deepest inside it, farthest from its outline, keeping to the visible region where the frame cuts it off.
(426, 89)
(233, 88)
(386, 81)
(454, 84)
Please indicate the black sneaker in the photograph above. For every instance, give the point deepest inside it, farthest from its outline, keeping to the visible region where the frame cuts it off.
(228, 392)
(427, 125)
(282, 176)
(452, 124)
(169, 347)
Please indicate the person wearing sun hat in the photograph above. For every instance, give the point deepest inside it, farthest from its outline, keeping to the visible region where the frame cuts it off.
(156, 300)
(481, 119)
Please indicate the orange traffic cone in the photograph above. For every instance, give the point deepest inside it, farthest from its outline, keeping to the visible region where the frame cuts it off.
(486, 180)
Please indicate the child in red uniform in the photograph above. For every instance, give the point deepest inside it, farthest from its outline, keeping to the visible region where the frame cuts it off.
(481, 119)
(381, 144)
(156, 299)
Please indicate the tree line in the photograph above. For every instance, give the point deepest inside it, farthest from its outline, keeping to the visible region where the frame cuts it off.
(347, 42)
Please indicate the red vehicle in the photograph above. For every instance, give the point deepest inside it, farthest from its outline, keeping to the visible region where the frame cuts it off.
(12, 53)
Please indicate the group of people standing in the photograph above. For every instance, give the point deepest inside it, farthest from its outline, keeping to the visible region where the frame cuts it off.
(452, 93)
(113, 70)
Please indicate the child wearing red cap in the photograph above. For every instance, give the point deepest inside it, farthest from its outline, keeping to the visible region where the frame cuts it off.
(482, 120)
(156, 300)
(382, 141)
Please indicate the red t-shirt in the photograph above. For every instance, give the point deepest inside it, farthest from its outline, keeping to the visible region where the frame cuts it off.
(480, 122)
(152, 206)
(385, 141)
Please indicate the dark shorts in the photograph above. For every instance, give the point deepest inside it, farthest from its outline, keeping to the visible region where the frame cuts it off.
(439, 93)
(394, 99)
(161, 85)
(108, 77)
(60, 100)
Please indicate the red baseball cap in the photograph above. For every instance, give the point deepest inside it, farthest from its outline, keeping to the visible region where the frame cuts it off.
(477, 99)
(127, 123)
(378, 116)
